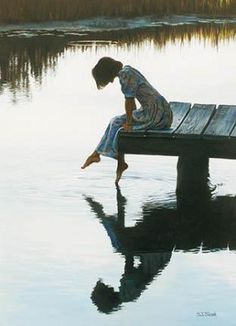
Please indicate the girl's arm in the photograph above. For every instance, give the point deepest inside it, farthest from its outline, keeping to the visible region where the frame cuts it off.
(129, 107)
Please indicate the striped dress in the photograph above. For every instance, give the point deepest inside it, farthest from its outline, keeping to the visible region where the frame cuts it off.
(154, 111)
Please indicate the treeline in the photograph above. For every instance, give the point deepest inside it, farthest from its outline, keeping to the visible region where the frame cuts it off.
(16, 11)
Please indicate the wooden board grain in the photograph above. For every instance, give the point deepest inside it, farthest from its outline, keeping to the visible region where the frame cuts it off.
(180, 110)
(196, 121)
(222, 123)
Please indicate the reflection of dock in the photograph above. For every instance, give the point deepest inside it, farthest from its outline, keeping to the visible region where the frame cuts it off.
(210, 227)
(201, 129)
(197, 222)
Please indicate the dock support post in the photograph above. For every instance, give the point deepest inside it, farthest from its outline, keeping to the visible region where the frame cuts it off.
(193, 178)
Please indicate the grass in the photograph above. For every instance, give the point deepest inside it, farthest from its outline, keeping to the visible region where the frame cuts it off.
(18, 11)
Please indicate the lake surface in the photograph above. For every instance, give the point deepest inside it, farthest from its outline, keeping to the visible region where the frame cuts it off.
(74, 250)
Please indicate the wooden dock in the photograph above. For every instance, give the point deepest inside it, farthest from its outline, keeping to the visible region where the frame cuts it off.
(199, 129)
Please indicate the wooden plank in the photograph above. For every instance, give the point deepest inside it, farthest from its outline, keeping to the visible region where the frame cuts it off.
(222, 123)
(217, 141)
(180, 110)
(196, 121)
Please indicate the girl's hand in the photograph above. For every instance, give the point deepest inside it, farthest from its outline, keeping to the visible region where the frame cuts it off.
(127, 127)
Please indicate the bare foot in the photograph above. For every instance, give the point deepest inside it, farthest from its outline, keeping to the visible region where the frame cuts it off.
(120, 169)
(94, 158)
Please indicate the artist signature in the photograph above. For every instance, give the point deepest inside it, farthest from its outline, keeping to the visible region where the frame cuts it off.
(206, 314)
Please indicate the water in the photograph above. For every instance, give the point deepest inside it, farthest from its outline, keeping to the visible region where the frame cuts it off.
(62, 229)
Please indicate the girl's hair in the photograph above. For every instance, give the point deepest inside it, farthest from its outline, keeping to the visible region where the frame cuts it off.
(105, 298)
(105, 71)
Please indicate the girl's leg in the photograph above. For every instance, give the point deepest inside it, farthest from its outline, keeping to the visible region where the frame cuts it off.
(121, 167)
(93, 158)
(108, 147)
(108, 144)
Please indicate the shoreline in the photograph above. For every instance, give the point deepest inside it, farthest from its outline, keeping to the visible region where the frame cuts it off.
(102, 23)
(125, 17)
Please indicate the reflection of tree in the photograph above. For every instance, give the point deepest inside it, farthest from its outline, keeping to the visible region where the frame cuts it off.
(198, 222)
(22, 58)
(161, 35)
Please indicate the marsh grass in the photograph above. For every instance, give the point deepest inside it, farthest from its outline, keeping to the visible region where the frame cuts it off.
(16, 11)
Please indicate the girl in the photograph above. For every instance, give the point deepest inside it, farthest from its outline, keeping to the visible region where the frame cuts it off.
(154, 112)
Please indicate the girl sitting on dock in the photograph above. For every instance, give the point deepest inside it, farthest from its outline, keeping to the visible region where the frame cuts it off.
(154, 112)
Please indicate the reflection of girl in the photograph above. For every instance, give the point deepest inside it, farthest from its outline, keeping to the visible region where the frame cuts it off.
(154, 112)
(133, 282)
(135, 278)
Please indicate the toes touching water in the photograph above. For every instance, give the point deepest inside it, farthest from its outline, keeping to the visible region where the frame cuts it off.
(120, 169)
(95, 158)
